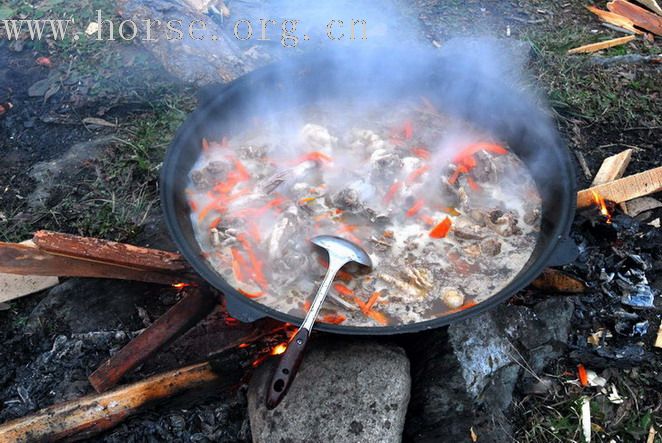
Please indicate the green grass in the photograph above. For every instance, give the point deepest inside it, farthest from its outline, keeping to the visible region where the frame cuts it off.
(618, 95)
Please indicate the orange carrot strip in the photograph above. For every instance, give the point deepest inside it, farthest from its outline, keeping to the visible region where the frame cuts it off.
(214, 223)
(415, 175)
(428, 220)
(334, 319)
(583, 376)
(442, 229)
(450, 211)
(206, 210)
(467, 305)
(193, 205)
(344, 290)
(238, 264)
(254, 231)
(472, 184)
(306, 305)
(249, 295)
(421, 152)
(472, 148)
(392, 191)
(205, 145)
(373, 299)
(241, 170)
(362, 306)
(408, 130)
(256, 263)
(416, 207)
(378, 317)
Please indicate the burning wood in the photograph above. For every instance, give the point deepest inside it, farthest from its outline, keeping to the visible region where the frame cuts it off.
(638, 15)
(624, 189)
(195, 305)
(594, 47)
(109, 252)
(614, 19)
(28, 259)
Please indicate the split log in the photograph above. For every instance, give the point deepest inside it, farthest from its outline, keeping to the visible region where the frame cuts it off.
(193, 307)
(612, 168)
(17, 286)
(27, 259)
(559, 281)
(594, 47)
(614, 19)
(109, 252)
(87, 416)
(638, 15)
(624, 189)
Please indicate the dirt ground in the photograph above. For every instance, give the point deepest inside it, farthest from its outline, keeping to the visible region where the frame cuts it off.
(105, 184)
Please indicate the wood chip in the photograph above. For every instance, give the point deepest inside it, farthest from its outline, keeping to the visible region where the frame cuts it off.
(614, 19)
(612, 168)
(559, 281)
(638, 15)
(624, 189)
(16, 286)
(594, 47)
(641, 205)
(658, 340)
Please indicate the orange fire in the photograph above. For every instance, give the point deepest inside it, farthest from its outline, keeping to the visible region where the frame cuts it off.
(181, 285)
(602, 205)
(279, 349)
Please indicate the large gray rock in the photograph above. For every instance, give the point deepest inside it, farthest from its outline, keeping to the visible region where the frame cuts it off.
(346, 391)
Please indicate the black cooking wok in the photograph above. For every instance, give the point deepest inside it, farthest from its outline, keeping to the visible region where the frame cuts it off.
(472, 94)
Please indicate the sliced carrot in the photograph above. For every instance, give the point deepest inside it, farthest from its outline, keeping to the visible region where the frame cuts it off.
(342, 289)
(362, 305)
(306, 305)
(214, 223)
(467, 305)
(373, 299)
(238, 265)
(408, 130)
(421, 152)
(472, 184)
(472, 148)
(256, 263)
(205, 145)
(442, 229)
(193, 205)
(392, 191)
(243, 174)
(334, 319)
(583, 376)
(450, 211)
(251, 295)
(415, 208)
(416, 174)
(378, 317)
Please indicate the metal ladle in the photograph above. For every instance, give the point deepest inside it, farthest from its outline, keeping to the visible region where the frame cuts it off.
(340, 252)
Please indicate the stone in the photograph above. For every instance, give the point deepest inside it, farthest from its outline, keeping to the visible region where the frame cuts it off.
(345, 391)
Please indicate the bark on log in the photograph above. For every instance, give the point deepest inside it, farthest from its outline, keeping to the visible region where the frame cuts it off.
(84, 417)
(195, 305)
(22, 259)
(109, 252)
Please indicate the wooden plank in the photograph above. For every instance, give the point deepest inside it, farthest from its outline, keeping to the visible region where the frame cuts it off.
(23, 259)
(612, 168)
(594, 47)
(638, 15)
(192, 308)
(559, 281)
(614, 19)
(109, 252)
(16, 286)
(652, 5)
(84, 417)
(624, 189)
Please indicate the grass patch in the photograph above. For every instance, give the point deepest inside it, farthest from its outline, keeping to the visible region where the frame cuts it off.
(618, 95)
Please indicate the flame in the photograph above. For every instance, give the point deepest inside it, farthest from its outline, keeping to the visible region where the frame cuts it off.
(602, 205)
(279, 349)
(181, 285)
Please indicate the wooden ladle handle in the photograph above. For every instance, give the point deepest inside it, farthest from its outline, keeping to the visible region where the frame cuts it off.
(287, 368)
